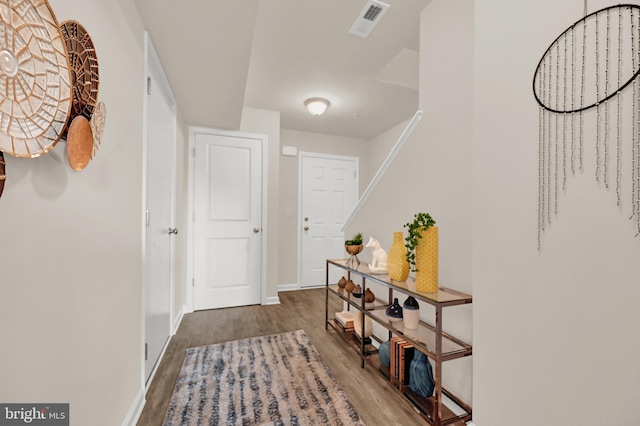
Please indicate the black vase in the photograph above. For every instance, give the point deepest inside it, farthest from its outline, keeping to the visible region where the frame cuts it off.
(394, 312)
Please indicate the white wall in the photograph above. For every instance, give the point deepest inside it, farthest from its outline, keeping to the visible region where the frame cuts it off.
(309, 142)
(555, 331)
(268, 123)
(71, 267)
(381, 145)
(432, 173)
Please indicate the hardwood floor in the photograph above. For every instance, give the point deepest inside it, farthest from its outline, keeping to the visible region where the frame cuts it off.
(373, 397)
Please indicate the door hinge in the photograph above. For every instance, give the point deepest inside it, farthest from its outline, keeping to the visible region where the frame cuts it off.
(147, 220)
(193, 282)
(146, 351)
(148, 85)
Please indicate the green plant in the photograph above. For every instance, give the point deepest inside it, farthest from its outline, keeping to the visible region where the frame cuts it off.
(356, 240)
(421, 221)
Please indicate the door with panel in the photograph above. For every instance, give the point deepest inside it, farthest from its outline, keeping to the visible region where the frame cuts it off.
(328, 194)
(160, 207)
(228, 206)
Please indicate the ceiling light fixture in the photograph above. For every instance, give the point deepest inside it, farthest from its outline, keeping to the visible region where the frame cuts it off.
(317, 106)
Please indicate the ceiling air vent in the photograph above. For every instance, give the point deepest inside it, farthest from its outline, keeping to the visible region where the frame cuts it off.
(368, 18)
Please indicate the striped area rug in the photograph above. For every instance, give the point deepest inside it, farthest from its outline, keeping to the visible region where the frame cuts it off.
(268, 380)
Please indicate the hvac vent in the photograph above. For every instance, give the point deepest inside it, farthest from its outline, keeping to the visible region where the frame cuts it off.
(368, 18)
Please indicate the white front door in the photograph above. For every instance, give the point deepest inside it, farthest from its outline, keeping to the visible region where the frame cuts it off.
(228, 220)
(160, 178)
(328, 194)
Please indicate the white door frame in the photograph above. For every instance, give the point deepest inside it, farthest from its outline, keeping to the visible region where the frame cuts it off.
(152, 55)
(301, 156)
(193, 130)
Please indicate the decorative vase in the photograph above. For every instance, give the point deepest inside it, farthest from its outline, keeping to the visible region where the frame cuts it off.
(411, 313)
(397, 264)
(369, 297)
(421, 375)
(384, 354)
(427, 261)
(357, 291)
(342, 282)
(349, 286)
(394, 311)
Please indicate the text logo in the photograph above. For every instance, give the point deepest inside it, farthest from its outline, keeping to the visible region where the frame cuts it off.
(34, 414)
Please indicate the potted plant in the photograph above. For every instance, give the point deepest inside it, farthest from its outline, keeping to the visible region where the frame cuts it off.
(354, 245)
(422, 251)
(421, 222)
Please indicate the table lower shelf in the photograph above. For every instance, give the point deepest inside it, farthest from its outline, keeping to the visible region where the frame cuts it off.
(427, 406)
(352, 339)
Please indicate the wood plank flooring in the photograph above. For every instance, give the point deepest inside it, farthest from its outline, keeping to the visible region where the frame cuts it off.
(376, 401)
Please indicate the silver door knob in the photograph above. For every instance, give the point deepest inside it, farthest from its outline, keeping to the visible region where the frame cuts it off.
(173, 231)
(306, 228)
(256, 230)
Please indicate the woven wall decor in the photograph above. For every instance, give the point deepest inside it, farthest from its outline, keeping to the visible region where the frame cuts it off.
(97, 122)
(79, 143)
(83, 62)
(3, 173)
(35, 93)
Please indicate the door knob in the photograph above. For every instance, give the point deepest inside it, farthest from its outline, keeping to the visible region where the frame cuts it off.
(256, 230)
(306, 228)
(173, 231)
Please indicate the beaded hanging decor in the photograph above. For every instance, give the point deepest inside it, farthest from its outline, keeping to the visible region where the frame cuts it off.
(586, 82)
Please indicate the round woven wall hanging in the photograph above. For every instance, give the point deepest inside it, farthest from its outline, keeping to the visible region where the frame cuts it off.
(35, 92)
(83, 62)
(79, 143)
(97, 122)
(3, 175)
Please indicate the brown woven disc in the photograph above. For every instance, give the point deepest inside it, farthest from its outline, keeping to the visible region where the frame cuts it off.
(35, 92)
(98, 120)
(3, 176)
(83, 62)
(79, 143)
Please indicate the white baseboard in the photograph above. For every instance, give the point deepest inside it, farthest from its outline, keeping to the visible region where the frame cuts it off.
(178, 320)
(288, 287)
(136, 409)
(275, 300)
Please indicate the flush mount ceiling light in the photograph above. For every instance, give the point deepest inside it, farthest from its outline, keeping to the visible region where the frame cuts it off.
(317, 106)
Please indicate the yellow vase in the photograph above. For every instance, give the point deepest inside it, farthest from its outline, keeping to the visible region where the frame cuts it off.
(397, 264)
(427, 261)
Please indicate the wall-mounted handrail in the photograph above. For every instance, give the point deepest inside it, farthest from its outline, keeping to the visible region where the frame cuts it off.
(385, 165)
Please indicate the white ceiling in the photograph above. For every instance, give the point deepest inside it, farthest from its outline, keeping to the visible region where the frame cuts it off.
(273, 54)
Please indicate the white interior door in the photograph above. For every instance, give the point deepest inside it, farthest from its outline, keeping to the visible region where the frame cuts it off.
(328, 194)
(228, 220)
(160, 178)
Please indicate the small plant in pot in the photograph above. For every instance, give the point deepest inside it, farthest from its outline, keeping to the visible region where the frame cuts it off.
(422, 251)
(421, 222)
(353, 247)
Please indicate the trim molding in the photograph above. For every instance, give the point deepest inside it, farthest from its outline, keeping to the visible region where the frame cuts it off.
(385, 165)
(273, 300)
(288, 287)
(136, 410)
(178, 320)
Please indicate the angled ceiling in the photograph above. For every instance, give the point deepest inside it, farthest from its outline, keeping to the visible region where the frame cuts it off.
(273, 54)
